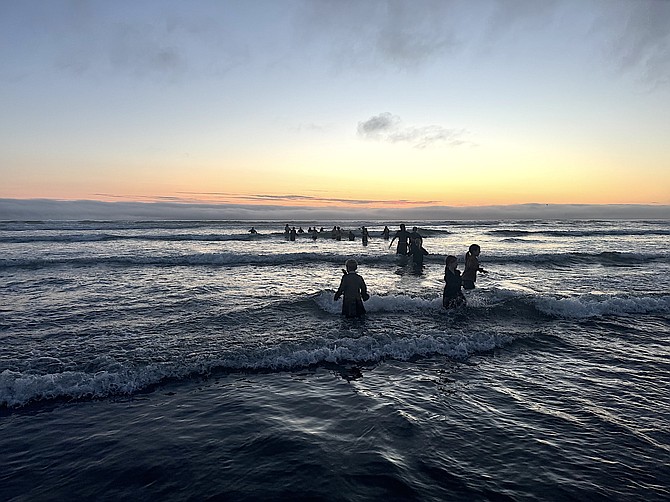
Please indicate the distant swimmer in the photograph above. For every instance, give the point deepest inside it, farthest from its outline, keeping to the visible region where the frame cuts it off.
(355, 292)
(385, 233)
(415, 233)
(403, 240)
(365, 235)
(287, 230)
(352, 237)
(292, 234)
(452, 296)
(472, 267)
(252, 231)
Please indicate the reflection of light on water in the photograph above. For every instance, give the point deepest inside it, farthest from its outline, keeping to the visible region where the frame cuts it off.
(515, 286)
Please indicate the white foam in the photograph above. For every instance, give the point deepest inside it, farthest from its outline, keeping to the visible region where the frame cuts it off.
(389, 303)
(18, 389)
(590, 306)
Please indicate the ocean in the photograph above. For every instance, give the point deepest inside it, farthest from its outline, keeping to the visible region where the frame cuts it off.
(192, 360)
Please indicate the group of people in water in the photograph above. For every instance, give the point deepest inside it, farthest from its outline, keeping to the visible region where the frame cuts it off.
(354, 290)
(410, 244)
(336, 233)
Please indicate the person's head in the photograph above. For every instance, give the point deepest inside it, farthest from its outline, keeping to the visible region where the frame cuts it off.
(415, 229)
(402, 226)
(351, 265)
(475, 249)
(452, 262)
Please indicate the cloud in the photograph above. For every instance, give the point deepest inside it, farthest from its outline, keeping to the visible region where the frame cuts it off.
(375, 33)
(382, 35)
(166, 42)
(638, 38)
(49, 209)
(288, 198)
(389, 127)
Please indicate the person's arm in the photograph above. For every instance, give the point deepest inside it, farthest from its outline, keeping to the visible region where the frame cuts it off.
(391, 244)
(340, 290)
(364, 291)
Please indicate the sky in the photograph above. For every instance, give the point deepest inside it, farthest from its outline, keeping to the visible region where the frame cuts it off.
(341, 104)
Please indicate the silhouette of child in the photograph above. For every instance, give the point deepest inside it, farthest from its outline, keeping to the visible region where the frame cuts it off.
(452, 296)
(472, 267)
(355, 292)
(418, 252)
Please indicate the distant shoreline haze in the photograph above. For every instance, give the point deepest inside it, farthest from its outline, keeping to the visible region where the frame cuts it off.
(49, 209)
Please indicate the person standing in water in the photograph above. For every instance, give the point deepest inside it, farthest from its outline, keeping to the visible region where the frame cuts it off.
(403, 240)
(386, 232)
(414, 234)
(452, 296)
(355, 292)
(418, 252)
(365, 235)
(472, 267)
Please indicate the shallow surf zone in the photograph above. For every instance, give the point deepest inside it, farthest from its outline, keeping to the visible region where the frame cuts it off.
(397, 327)
(48, 378)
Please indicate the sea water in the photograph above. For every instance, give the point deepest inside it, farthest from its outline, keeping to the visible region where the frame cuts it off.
(191, 360)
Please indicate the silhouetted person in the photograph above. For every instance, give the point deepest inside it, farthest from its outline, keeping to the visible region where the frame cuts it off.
(403, 237)
(252, 231)
(355, 292)
(452, 296)
(365, 235)
(385, 233)
(352, 237)
(291, 235)
(418, 252)
(472, 267)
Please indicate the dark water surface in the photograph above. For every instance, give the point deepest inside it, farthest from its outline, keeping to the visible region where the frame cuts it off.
(190, 361)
